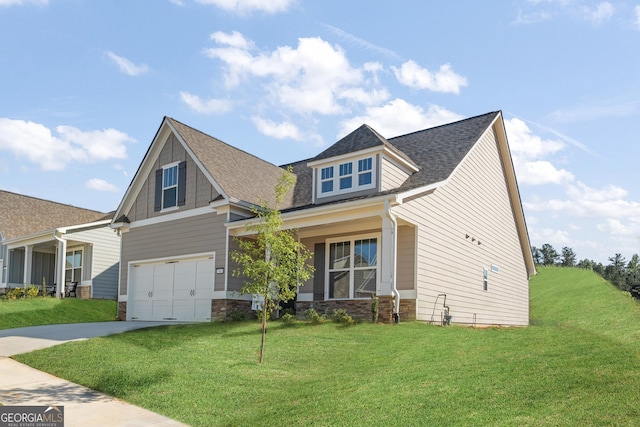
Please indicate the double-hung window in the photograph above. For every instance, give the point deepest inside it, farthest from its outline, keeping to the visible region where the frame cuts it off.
(346, 175)
(73, 267)
(327, 179)
(352, 267)
(352, 175)
(170, 186)
(364, 172)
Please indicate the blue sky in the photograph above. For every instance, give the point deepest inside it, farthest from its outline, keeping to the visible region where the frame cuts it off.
(84, 86)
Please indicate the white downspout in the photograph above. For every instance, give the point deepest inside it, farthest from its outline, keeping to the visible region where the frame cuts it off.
(396, 294)
(62, 253)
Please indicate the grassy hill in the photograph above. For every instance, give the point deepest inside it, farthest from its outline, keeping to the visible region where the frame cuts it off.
(578, 364)
(51, 311)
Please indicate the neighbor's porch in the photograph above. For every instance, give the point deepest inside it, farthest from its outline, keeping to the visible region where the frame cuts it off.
(39, 262)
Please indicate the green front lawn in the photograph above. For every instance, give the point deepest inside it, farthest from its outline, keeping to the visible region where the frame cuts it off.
(578, 364)
(50, 311)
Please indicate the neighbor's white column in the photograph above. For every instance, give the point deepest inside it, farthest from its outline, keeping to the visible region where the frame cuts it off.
(28, 261)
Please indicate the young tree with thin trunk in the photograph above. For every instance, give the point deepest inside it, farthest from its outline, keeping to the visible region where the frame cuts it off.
(272, 260)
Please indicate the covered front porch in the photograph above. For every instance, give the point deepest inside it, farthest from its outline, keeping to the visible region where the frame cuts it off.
(360, 252)
(50, 262)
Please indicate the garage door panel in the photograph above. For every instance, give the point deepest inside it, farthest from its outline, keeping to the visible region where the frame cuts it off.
(180, 289)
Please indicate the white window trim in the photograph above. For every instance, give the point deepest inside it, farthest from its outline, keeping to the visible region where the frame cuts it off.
(355, 175)
(82, 262)
(169, 166)
(351, 239)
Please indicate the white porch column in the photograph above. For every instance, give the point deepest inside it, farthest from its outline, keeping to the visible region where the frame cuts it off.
(387, 257)
(61, 254)
(28, 264)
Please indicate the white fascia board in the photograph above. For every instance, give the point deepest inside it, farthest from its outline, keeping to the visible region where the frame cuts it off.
(88, 225)
(172, 217)
(420, 190)
(314, 212)
(45, 236)
(372, 150)
(411, 168)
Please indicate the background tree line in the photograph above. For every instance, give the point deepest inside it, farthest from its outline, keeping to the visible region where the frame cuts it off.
(624, 275)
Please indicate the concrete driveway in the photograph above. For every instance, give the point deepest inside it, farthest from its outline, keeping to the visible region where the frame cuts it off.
(21, 385)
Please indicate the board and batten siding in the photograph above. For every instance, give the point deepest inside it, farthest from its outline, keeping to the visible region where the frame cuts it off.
(392, 176)
(464, 227)
(199, 191)
(405, 259)
(197, 234)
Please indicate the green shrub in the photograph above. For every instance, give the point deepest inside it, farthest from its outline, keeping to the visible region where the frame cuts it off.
(341, 316)
(312, 315)
(288, 319)
(238, 316)
(375, 311)
(32, 291)
(15, 293)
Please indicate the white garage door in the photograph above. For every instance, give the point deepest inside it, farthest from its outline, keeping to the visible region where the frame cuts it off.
(179, 289)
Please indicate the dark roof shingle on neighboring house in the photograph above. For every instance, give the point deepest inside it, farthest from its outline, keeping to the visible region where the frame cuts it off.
(24, 215)
(241, 175)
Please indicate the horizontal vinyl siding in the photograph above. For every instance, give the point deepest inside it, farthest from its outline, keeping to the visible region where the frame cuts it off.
(105, 258)
(392, 175)
(198, 234)
(475, 202)
(405, 260)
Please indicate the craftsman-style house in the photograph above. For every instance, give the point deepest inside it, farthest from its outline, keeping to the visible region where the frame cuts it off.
(430, 222)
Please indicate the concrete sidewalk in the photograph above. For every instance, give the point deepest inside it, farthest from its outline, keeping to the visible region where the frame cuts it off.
(21, 385)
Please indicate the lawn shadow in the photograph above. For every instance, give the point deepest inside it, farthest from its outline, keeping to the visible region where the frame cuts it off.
(120, 383)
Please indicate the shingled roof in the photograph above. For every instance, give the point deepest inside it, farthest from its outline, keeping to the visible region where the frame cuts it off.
(23, 215)
(241, 175)
(435, 151)
(439, 150)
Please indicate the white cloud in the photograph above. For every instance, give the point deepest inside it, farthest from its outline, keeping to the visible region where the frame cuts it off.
(233, 39)
(602, 12)
(210, 106)
(282, 130)
(636, 17)
(617, 228)
(399, 117)
(54, 152)
(98, 184)
(528, 152)
(247, 6)
(444, 80)
(127, 66)
(23, 2)
(306, 79)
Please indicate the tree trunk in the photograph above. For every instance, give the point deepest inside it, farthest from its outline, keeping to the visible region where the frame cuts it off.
(264, 329)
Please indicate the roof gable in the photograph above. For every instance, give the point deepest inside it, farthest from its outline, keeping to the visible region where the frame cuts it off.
(240, 175)
(24, 215)
(236, 175)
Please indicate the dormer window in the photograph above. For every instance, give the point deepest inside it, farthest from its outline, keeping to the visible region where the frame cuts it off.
(344, 177)
(327, 180)
(364, 172)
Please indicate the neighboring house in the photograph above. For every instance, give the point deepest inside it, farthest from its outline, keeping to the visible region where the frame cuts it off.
(413, 219)
(59, 244)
